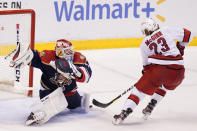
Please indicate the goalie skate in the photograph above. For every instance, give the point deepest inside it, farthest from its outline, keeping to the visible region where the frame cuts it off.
(35, 118)
(85, 102)
(148, 110)
(120, 118)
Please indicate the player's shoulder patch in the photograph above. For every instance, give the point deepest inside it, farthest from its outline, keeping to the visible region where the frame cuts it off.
(79, 58)
(47, 55)
(82, 57)
(42, 54)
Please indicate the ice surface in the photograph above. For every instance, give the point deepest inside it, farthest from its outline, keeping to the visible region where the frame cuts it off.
(114, 70)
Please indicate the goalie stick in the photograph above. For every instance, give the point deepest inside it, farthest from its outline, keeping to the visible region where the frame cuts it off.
(104, 105)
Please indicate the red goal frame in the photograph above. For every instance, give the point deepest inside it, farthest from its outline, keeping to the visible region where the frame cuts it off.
(32, 38)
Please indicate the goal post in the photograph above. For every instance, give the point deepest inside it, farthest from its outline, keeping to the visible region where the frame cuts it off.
(16, 26)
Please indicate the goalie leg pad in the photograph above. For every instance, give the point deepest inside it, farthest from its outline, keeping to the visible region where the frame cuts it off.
(51, 105)
(54, 103)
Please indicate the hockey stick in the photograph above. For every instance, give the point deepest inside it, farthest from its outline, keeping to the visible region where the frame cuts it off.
(104, 105)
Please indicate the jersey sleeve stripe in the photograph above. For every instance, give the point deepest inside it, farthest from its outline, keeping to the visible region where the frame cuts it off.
(187, 35)
(85, 75)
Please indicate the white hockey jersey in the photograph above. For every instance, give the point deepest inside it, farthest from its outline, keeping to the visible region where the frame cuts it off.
(160, 47)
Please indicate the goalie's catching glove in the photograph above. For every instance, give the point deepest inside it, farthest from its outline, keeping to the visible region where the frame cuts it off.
(23, 59)
(19, 57)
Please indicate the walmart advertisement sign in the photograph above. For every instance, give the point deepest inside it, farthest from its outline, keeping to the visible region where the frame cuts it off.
(88, 10)
(103, 19)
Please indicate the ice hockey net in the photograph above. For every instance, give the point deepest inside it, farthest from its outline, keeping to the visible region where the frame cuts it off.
(16, 26)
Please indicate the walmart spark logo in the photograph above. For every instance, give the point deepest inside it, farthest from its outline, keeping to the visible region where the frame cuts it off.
(85, 10)
(161, 18)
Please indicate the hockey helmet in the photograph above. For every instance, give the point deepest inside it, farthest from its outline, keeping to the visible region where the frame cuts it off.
(149, 26)
(63, 49)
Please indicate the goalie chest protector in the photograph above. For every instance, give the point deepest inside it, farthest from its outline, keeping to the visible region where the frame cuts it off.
(63, 65)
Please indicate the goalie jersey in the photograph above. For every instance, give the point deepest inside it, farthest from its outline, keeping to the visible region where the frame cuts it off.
(41, 61)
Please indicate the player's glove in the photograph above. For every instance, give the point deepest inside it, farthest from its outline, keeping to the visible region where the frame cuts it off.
(23, 59)
(19, 57)
(181, 48)
(145, 68)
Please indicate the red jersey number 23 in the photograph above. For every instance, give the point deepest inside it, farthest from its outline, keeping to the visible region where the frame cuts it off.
(160, 42)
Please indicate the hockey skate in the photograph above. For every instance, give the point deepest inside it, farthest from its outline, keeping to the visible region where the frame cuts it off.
(35, 118)
(149, 108)
(119, 118)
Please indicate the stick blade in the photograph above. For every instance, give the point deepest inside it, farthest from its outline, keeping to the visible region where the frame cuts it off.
(99, 104)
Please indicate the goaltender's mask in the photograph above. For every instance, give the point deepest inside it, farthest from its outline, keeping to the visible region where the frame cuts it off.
(64, 49)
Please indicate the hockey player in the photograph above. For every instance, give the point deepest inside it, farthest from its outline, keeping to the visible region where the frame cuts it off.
(61, 69)
(163, 66)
